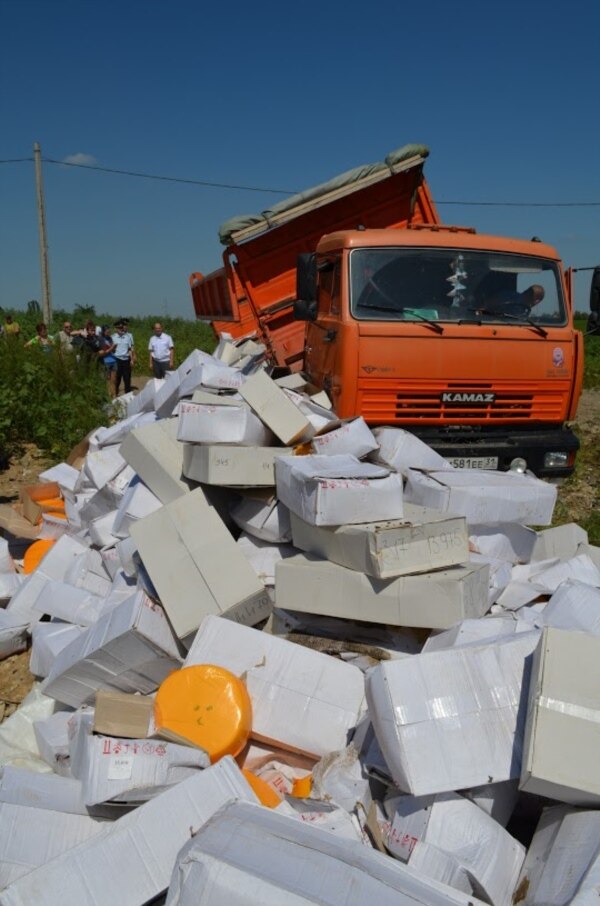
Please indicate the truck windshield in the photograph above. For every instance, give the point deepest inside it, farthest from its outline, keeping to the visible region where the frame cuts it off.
(454, 285)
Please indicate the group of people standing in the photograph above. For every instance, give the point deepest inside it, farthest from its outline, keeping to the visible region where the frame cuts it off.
(112, 347)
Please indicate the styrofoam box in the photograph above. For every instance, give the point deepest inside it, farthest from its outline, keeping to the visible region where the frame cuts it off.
(157, 457)
(196, 567)
(483, 497)
(130, 861)
(423, 709)
(422, 540)
(274, 408)
(561, 758)
(231, 466)
(335, 490)
(434, 600)
(302, 700)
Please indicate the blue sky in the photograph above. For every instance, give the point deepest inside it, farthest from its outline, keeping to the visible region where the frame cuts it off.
(506, 96)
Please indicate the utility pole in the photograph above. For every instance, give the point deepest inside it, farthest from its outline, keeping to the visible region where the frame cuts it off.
(44, 266)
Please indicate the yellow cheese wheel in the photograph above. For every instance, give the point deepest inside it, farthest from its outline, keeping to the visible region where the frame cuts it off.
(207, 706)
(263, 791)
(302, 787)
(52, 503)
(36, 552)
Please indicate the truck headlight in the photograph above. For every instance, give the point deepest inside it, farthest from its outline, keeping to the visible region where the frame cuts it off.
(518, 465)
(556, 460)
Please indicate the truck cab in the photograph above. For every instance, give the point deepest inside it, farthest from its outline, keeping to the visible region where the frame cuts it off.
(467, 340)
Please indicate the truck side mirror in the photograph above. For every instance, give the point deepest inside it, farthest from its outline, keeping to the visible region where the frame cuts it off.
(305, 311)
(305, 308)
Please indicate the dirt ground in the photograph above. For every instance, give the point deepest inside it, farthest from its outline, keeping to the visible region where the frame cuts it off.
(578, 497)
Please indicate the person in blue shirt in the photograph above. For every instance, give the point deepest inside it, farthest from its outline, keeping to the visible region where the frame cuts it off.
(124, 353)
(106, 356)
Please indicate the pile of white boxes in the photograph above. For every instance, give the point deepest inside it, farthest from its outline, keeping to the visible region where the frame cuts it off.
(423, 667)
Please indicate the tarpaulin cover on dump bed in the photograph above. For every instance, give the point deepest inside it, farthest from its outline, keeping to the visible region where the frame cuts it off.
(242, 221)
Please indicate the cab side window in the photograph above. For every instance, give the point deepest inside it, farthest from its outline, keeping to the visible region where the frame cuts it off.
(329, 288)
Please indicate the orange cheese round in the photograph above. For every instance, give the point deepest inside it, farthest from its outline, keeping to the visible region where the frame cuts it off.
(36, 552)
(263, 791)
(207, 706)
(302, 787)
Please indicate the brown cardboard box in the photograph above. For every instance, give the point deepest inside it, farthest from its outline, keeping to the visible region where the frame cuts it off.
(122, 714)
(13, 523)
(40, 498)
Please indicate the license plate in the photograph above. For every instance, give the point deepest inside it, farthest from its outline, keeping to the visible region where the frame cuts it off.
(474, 462)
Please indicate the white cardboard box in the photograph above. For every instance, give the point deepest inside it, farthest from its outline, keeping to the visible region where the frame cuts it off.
(248, 856)
(157, 457)
(103, 465)
(144, 400)
(422, 540)
(460, 828)
(423, 709)
(47, 791)
(561, 758)
(563, 850)
(559, 541)
(274, 408)
(574, 605)
(130, 861)
(469, 631)
(335, 490)
(349, 436)
(301, 699)
(230, 466)
(52, 740)
(214, 424)
(267, 521)
(401, 450)
(196, 567)
(47, 639)
(434, 600)
(216, 398)
(128, 770)
(221, 376)
(54, 565)
(483, 497)
(117, 433)
(130, 648)
(13, 634)
(137, 501)
(31, 837)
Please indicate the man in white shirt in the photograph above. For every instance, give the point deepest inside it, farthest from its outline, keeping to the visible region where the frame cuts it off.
(162, 352)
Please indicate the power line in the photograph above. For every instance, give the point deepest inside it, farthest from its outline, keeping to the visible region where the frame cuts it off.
(224, 185)
(527, 204)
(193, 182)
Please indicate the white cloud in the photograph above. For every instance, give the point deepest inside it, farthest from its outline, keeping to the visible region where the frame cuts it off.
(87, 160)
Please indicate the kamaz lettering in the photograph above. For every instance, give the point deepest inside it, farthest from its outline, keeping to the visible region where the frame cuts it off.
(480, 399)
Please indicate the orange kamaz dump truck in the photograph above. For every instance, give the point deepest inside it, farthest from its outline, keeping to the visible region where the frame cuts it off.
(466, 340)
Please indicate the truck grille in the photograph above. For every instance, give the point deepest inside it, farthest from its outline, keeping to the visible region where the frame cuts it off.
(414, 402)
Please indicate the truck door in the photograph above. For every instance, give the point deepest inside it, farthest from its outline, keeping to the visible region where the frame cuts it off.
(322, 336)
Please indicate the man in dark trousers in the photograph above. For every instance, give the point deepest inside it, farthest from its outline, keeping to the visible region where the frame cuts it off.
(124, 353)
